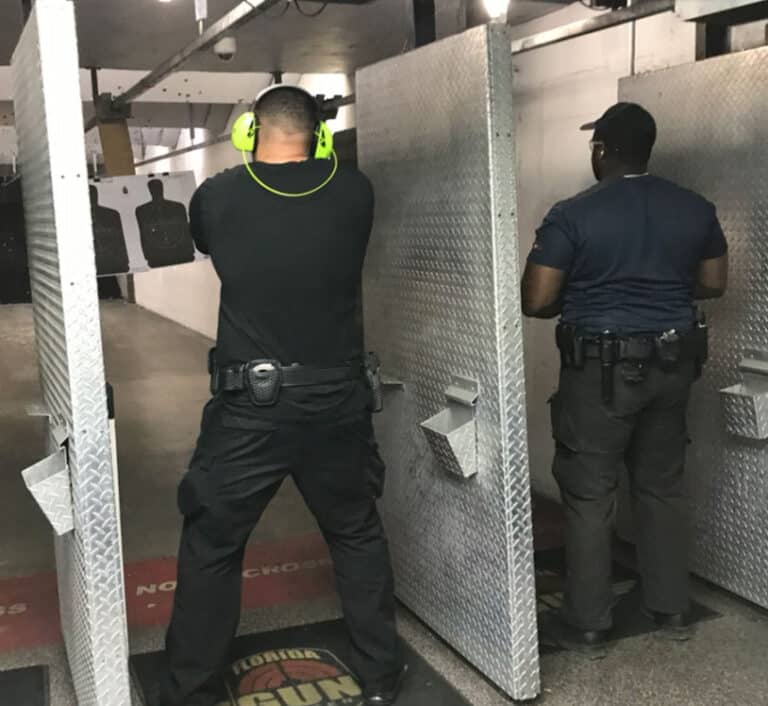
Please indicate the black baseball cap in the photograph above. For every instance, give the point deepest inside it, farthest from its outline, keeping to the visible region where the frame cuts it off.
(628, 128)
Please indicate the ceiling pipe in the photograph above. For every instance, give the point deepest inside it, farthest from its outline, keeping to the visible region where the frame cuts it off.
(640, 10)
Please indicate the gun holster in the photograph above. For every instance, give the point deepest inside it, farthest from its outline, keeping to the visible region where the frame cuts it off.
(609, 356)
(372, 370)
(212, 372)
(668, 349)
(701, 344)
(571, 346)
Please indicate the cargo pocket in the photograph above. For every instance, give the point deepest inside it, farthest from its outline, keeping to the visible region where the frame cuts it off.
(562, 445)
(193, 494)
(373, 464)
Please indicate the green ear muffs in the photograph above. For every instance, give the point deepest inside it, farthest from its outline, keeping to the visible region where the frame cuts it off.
(244, 140)
(244, 136)
(323, 141)
(244, 132)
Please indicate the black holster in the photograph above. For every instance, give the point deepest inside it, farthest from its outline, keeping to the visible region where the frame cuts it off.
(372, 369)
(571, 346)
(609, 356)
(213, 377)
(701, 344)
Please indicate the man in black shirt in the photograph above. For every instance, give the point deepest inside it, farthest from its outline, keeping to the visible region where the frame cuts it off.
(622, 264)
(291, 399)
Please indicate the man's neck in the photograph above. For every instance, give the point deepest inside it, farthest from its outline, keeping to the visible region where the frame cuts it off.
(624, 171)
(281, 151)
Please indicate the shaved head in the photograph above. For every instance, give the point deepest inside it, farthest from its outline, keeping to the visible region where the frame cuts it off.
(289, 110)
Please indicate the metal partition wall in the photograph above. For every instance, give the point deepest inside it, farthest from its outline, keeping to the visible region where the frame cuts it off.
(713, 137)
(61, 257)
(435, 135)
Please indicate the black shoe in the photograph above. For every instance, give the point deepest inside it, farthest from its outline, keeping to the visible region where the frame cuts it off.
(555, 632)
(674, 627)
(385, 695)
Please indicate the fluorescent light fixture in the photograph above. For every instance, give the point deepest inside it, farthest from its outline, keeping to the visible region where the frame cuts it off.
(496, 8)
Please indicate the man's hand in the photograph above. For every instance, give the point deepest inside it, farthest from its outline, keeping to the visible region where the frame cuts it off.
(541, 290)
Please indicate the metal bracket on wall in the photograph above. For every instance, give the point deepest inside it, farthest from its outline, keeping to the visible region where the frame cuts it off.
(48, 480)
(452, 432)
(389, 383)
(108, 111)
(745, 405)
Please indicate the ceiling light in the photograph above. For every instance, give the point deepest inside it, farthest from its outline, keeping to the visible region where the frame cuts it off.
(496, 8)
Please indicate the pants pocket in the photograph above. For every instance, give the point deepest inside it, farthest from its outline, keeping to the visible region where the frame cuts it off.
(564, 443)
(374, 468)
(193, 494)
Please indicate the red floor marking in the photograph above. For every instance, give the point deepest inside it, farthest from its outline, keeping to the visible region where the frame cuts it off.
(29, 612)
(291, 570)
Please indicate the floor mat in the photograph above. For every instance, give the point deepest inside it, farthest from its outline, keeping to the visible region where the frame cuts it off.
(24, 687)
(629, 620)
(304, 665)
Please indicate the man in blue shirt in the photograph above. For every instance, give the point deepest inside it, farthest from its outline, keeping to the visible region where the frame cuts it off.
(622, 264)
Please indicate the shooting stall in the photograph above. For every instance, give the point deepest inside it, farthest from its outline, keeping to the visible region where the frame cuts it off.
(713, 138)
(77, 487)
(442, 309)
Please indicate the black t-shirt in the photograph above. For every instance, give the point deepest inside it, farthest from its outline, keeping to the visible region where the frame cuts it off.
(290, 271)
(630, 247)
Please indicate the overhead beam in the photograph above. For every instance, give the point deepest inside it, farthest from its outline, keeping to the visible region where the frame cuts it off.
(238, 16)
(644, 8)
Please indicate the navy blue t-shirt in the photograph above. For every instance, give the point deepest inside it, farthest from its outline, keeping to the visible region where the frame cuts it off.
(630, 247)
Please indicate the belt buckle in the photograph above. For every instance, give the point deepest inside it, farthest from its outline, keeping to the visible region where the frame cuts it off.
(263, 380)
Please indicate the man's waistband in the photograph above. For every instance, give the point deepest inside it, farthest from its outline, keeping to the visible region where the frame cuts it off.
(235, 378)
(678, 345)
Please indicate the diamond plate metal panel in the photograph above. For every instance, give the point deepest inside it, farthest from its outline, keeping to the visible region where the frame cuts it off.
(441, 300)
(62, 265)
(745, 410)
(454, 442)
(48, 482)
(717, 146)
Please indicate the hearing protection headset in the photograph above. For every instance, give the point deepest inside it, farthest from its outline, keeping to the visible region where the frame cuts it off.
(244, 137)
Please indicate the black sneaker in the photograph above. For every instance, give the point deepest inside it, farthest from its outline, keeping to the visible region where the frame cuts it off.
(555, 632)
(385, 695)
(674, 627)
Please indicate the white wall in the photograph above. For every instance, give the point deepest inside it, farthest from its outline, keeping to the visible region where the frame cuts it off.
(189, 294)
(559, 88)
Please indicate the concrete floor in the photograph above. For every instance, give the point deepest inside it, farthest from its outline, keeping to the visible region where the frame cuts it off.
(157, 369)
(158, 372)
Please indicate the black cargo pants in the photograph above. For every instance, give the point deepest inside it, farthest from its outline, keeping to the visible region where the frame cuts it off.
(644, 428)
(236, 470)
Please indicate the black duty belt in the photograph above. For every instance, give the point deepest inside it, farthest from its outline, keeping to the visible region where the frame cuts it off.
(237, 377)
(666, 350)
(264, 379)
(639, 349)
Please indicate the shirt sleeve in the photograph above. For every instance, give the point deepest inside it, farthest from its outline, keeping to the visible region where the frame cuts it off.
(716, 245)
(555, 244)
(200, 218)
